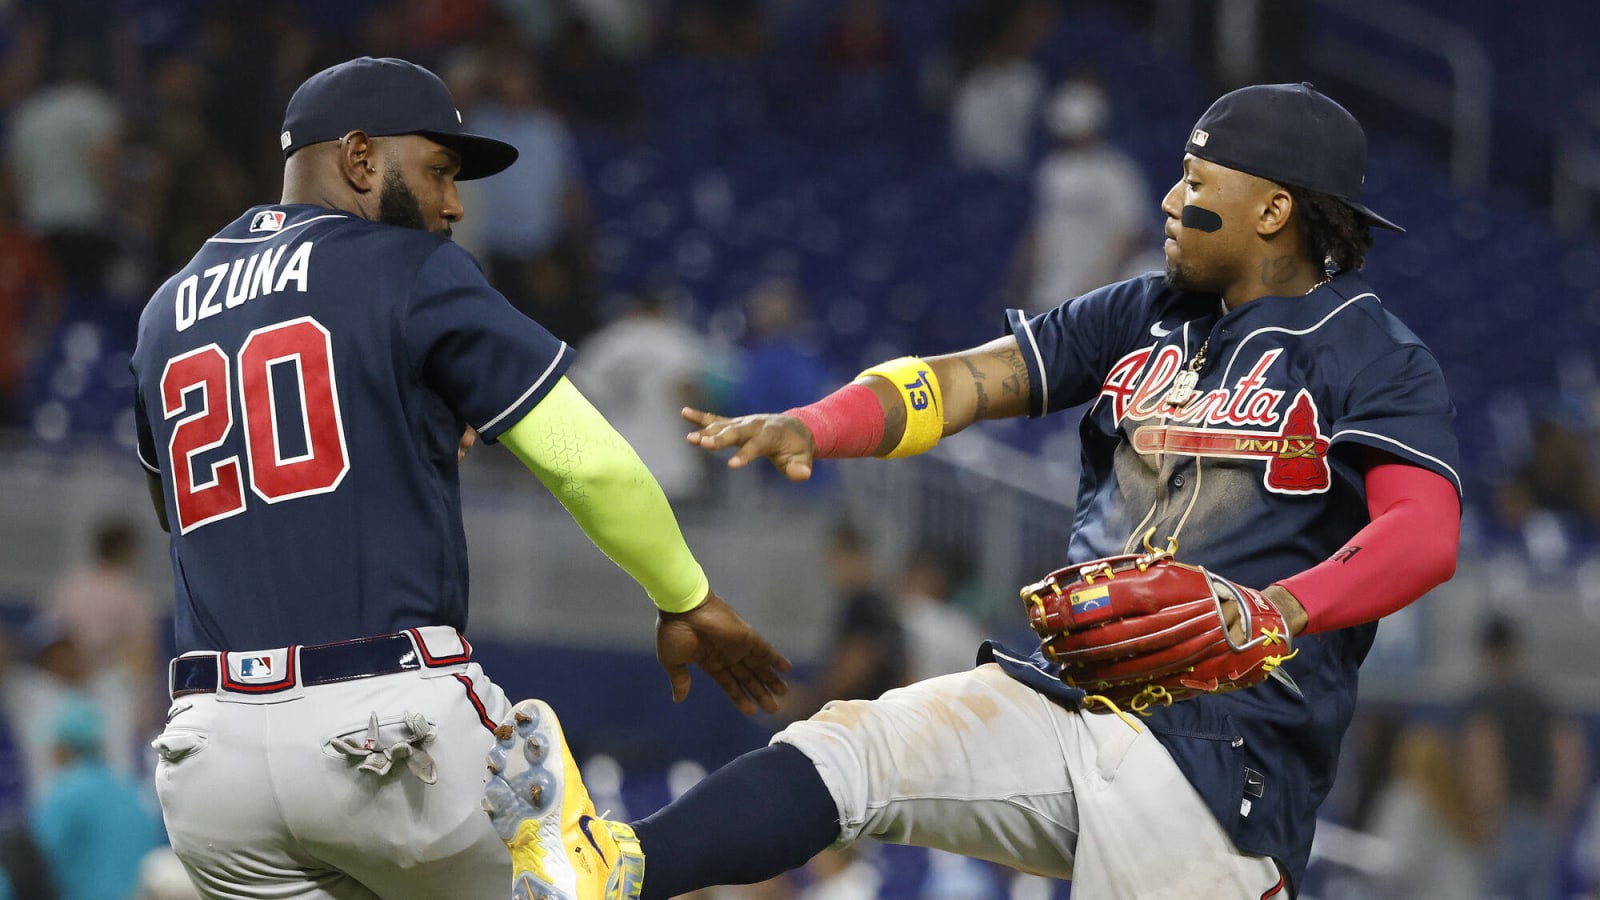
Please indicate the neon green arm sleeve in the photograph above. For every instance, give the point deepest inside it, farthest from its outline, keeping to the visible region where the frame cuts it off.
(598, 477)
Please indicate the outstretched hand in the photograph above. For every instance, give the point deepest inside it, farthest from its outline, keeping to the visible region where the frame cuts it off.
(724, 646)
(782, 439)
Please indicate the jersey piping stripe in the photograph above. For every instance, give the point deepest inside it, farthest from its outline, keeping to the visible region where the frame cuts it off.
(472, 696)
(1009, 658)
(1321, 322)
(1038, 364)
(139, 452)
(560, 355)
(1275, 889)
(1412, 450)
(1239, 347)
(275, 234)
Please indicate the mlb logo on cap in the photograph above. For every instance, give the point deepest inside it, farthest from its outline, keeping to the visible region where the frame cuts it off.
(1200, 138)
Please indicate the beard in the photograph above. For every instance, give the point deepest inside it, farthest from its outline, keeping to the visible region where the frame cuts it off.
(397, 205)
(1177, 279)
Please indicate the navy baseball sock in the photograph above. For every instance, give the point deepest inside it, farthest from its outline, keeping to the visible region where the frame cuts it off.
(761, 815)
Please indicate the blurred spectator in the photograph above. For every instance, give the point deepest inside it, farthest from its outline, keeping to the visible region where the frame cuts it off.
(1526, 763)
(91, 823)
(63, 151)
(110, 616)
(23, 48)
(782, 366)
(592, 84)
(49, 671)
(192, 190)
(941, 637)
(1093, 213)
(536, 228)
(13, 758)
(861, 38)
(867, 646)
(434, 25)
(639, 370)
(23, 867)
(1424, 817)
(1560, 477)
(997, 93)
(30, 305)
(722, 29)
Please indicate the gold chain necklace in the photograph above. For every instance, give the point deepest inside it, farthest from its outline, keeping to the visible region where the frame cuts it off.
(1182, 390)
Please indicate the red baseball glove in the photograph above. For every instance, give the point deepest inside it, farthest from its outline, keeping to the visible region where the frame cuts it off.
(1144, 629)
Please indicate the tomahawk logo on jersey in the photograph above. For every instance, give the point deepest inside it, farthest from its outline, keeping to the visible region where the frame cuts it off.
(242, 367)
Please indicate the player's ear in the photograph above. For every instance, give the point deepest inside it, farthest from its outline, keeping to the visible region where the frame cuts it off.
(358, 161)
(1277, 207)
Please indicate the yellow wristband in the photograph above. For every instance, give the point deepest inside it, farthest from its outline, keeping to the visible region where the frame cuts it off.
(919, 391)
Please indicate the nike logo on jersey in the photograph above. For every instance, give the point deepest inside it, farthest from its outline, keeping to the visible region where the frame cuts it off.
(1157, 331)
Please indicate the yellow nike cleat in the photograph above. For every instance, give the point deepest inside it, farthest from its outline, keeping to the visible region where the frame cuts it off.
(560, 850)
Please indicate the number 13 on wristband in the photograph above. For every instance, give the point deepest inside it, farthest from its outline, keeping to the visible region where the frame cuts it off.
(918, 387)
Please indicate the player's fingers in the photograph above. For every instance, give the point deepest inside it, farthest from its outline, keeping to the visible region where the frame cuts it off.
(698, 416)
(722, 434)
(752, 446)
(751, 685)
(734, 689)
(794, 469)
(678, 676)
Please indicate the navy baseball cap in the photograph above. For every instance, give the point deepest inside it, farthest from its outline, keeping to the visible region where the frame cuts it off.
(1291, 134)
(384, 97)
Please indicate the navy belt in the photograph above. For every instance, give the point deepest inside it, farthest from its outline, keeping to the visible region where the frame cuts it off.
(310, 665)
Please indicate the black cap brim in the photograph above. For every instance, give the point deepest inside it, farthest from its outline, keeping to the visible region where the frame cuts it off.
(480, 156)
(1373, 218)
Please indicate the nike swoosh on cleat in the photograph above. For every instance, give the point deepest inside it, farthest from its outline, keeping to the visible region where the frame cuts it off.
(583, 825)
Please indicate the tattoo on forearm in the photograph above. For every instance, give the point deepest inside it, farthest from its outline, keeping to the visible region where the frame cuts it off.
(1019, 369)
(977, 385)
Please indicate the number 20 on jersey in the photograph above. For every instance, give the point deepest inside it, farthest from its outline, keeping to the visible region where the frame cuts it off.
(197, 389)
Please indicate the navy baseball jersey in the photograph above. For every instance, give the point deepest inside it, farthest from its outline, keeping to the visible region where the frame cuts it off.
(302, 386)
(1257, 476)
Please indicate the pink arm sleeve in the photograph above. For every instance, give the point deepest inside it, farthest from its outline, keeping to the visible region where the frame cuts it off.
(1407, 549)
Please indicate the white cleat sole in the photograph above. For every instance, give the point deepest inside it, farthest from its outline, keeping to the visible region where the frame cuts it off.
(526, 785)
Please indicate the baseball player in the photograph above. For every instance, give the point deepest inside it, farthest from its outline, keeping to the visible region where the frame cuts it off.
(1258, 409)
(302, 386)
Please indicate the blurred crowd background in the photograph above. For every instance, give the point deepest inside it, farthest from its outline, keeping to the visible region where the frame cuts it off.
(739, 204)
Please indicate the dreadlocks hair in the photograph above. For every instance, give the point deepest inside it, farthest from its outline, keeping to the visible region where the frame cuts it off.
(1333, 231)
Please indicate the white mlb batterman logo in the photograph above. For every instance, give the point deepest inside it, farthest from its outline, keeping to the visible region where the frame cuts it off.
(284, 141)
(254, 668)
(1200, 137)
(267, 220)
